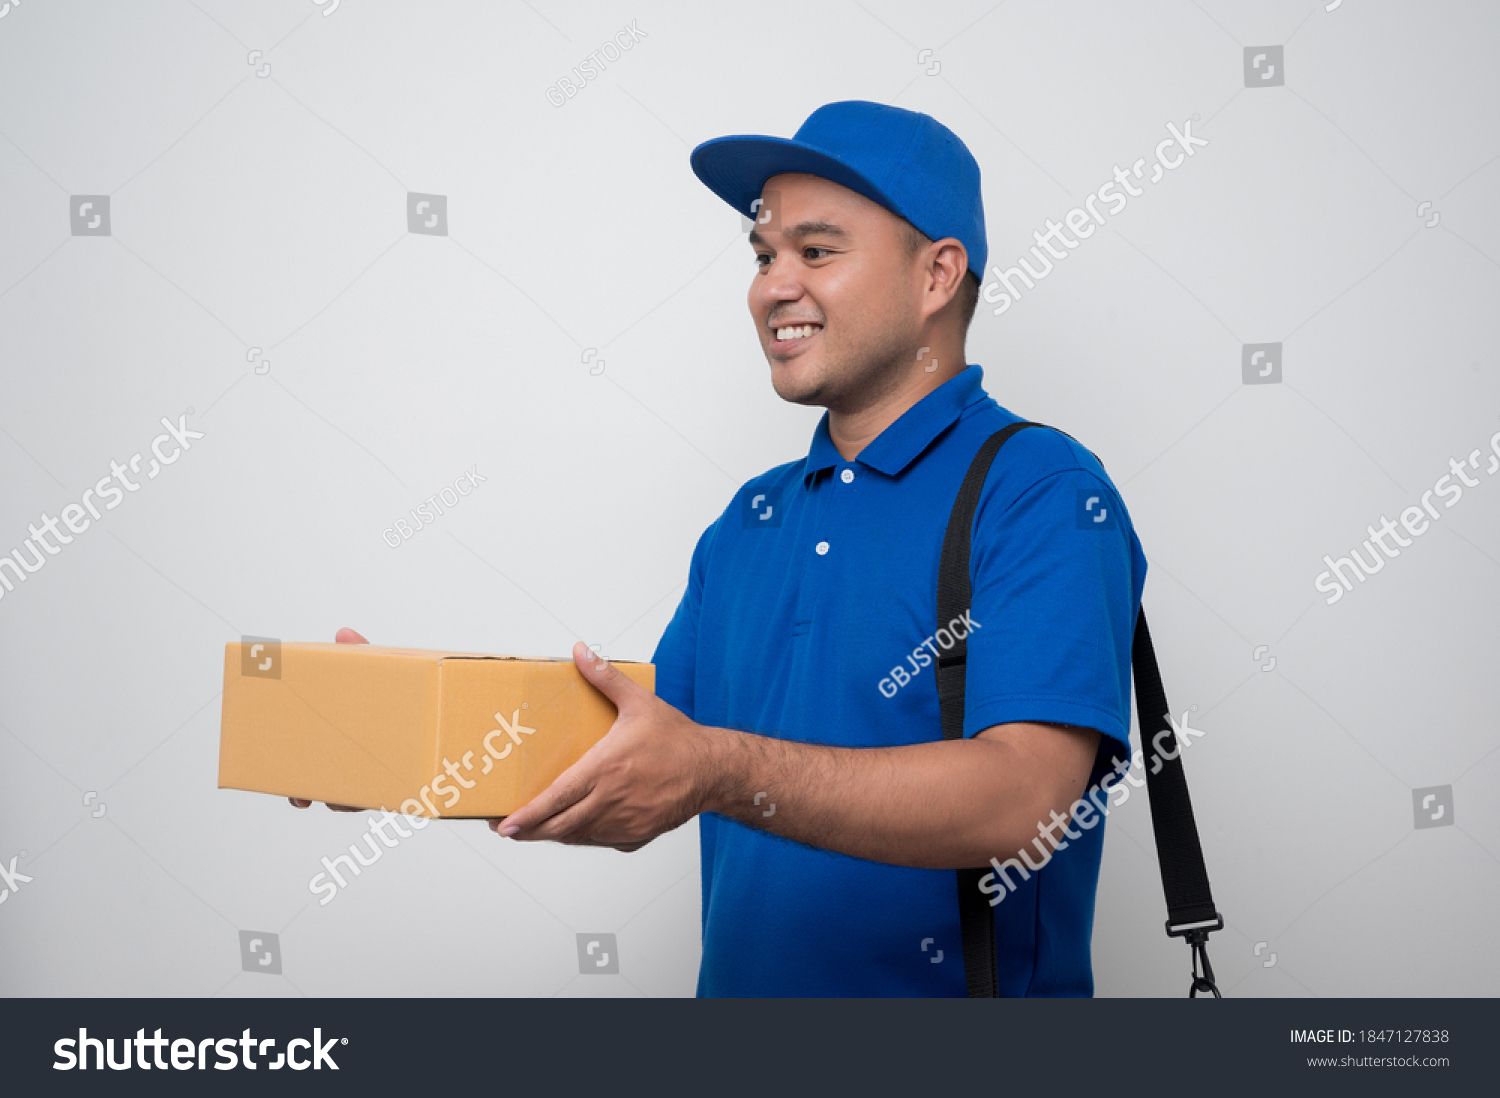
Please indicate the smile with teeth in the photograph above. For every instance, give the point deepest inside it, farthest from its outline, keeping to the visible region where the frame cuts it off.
(805, 331)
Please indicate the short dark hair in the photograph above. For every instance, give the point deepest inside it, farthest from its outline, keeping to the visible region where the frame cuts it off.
(968, 290)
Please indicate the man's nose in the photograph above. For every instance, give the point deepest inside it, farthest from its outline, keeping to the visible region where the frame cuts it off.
(778, 284)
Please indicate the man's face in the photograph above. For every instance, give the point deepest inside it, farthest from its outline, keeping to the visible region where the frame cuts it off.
(833, 260)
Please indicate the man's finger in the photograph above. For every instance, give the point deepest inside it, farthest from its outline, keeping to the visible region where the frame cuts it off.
(607, 677)
(567, 789)
(624, 848)
(348, 636)
(571, 825)
(299, 803)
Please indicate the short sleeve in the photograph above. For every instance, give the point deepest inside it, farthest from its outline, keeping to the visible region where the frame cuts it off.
(676, 655)
(1057, 575)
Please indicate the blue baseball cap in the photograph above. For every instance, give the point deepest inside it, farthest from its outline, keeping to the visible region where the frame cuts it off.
(908, 162)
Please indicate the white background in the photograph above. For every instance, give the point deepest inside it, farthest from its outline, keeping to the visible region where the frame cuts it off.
(269, 212)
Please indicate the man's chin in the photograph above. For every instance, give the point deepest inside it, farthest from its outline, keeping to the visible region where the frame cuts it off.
(795, 384)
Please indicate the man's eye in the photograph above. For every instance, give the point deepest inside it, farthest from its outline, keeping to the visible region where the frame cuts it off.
(761, 260)
(806, 250)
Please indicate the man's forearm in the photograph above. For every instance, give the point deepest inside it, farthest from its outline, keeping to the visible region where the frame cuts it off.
(941, 805)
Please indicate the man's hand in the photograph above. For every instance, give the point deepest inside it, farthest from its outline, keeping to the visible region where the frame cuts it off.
(343, 636)
(934, 805)
(652, 772)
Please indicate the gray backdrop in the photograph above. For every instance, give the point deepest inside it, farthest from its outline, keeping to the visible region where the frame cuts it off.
(208, 217)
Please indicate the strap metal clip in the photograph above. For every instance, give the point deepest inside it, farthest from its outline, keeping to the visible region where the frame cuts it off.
(1192, 930)
(1197, 937)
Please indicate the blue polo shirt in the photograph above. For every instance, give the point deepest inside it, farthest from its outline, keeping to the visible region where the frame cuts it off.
(808, 594)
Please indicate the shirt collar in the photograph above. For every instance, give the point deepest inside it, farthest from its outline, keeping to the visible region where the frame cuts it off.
(898, 445)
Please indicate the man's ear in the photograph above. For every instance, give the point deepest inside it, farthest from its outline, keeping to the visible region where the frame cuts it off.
(952, 260)
(947, 267)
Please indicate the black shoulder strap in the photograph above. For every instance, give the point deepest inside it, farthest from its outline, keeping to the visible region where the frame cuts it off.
(1190, 906)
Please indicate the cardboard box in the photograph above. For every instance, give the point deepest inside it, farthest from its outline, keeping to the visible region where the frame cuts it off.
(450, 734)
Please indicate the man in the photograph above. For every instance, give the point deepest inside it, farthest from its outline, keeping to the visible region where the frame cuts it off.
(796, 710)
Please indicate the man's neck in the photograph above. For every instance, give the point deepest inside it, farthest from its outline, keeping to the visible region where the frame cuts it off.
(852, 431)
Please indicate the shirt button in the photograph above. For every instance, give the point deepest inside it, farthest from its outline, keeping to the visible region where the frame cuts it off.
(822, 548)
(847, 476)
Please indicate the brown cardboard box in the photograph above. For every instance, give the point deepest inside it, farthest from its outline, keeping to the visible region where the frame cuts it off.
(450, 734)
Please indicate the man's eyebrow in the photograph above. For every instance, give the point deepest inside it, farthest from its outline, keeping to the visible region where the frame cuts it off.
(804, 229)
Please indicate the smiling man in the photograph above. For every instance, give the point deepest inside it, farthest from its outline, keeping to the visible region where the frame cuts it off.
(797, 713)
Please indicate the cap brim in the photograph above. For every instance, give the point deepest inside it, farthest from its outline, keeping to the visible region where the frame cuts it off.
(736, 169)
